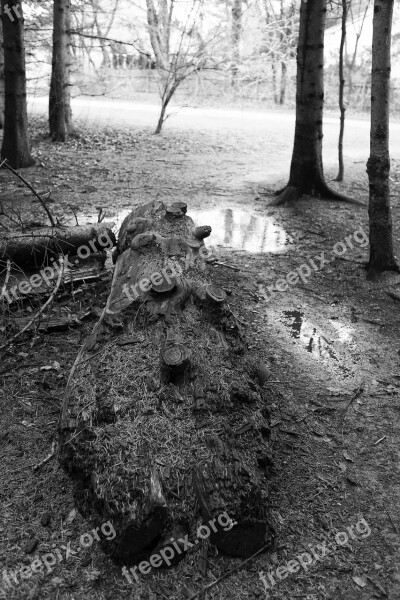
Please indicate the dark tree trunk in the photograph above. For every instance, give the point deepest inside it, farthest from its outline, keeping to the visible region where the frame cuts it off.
(306, 171)
(15, 146)
(378, 167)
(2, 83)
(60, 116)
(171, 415)
(340, 175)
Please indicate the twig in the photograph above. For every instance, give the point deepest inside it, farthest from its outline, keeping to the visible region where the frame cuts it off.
(47, 458)
(42, 202)
(228, 573)
(48, 301)
(356, 394)
(391, 520)
(4, 288)
(221, 264)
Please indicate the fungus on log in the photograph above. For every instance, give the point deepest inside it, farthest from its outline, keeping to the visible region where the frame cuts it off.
(162, 414)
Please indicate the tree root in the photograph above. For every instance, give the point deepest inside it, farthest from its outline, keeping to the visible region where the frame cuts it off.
(291, 193)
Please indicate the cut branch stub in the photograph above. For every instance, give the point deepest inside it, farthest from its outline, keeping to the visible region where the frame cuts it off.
(181, 205)
(174, 363)
(215, 294)
(162, 283)
(202, 232)
(173, 212)
(143, 239)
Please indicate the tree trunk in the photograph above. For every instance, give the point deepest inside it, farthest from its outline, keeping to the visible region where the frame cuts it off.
(171, 416)
(340, 175)
(60, 116)
(235, 41)
(378, 167)
(2, 86)
(282, 95)
(306, 171)
(15, 147)
(37, 247)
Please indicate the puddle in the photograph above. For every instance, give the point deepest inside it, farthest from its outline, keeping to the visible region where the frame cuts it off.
(242, 230)
(116, 218)
(312, 341)
(232, 228)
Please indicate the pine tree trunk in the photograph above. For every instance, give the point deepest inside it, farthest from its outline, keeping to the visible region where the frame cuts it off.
(15, 147)
(60, 116)
(165, 413)
(2, 86)
(306, 171)
(378, 167)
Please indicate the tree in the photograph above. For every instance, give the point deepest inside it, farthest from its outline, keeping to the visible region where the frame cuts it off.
(60, 116)
(178, 45)
(15, 147)
(235, 38)
(345, 9)
(378, 167)
(2, 88)
(306, 170)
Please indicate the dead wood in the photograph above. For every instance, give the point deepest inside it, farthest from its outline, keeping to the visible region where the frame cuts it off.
(35, 248)
(153, 430)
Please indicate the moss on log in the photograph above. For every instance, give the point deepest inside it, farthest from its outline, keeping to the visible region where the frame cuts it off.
(163, 414)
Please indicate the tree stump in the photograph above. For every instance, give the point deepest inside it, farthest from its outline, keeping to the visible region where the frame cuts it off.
(163, 414)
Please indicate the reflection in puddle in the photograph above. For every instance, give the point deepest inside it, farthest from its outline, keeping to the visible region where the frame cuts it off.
(233, 228)
(345, 333)
(116, 218)
(303, 330)
(242, 229)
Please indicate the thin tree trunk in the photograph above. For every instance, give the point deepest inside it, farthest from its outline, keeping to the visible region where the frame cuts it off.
(2, 86)
(282, 95)
(378, 167)
(306, 171)
(60, 116)
(235, 40)
(15, 147)
(342, 107)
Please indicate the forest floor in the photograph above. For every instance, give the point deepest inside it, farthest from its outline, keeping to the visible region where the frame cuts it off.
(332, 342)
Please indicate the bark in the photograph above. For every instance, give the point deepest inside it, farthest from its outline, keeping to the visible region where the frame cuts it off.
(235, 40)
(60, 116)
(37, 247)
(282, 95)
(171, 415)
(378, 167)
(306, 171)
(340, 175)
(15, 147)
(2, 87)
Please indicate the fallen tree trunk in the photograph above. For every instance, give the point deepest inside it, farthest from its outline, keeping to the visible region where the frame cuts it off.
(35, 248)
(164, 410)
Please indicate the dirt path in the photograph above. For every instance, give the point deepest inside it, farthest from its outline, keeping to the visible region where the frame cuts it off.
(331, 340)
